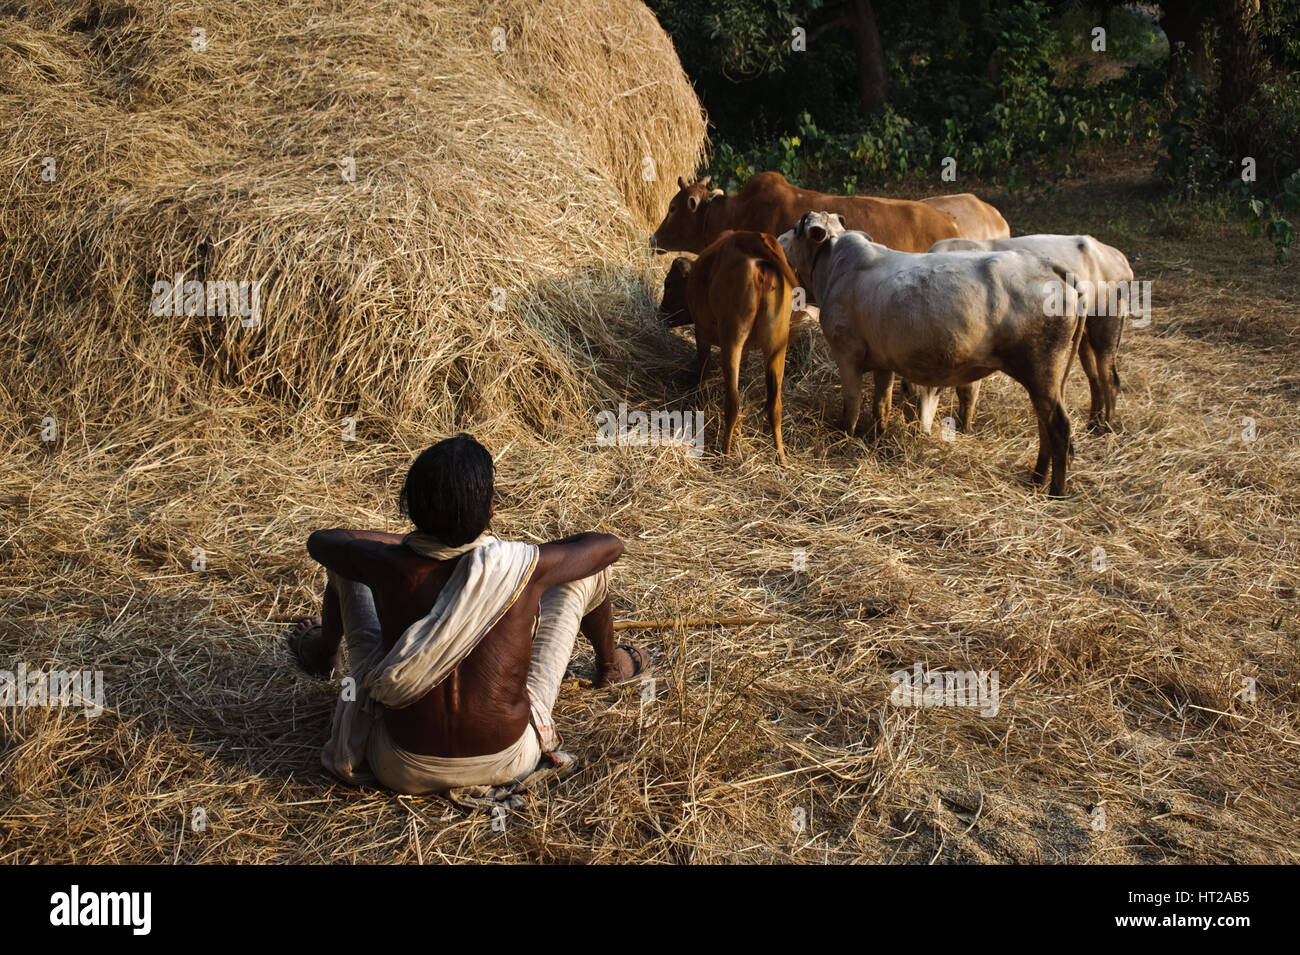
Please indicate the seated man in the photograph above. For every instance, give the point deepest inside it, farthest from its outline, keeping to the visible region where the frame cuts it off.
(457, 641)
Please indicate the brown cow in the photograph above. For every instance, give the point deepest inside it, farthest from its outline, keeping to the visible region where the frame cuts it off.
(975, 218)
(767, 203)
(673, 308)
(738, 295)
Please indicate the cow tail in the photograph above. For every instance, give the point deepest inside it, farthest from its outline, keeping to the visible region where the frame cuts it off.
(1119, 340)
(1080, 326)
(768, 279)
(776, 258)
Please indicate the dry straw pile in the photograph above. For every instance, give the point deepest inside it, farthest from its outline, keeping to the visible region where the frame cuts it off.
(188, 442)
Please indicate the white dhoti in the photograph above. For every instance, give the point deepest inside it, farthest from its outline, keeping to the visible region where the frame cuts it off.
(482, 588)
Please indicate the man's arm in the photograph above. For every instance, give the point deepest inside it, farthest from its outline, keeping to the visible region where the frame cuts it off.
(576, 557)
(351, 554)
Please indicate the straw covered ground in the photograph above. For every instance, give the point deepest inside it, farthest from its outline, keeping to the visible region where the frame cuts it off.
(1123, 732)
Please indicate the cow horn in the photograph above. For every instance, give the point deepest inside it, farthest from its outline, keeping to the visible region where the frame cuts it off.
(706, 180)
(681, 183)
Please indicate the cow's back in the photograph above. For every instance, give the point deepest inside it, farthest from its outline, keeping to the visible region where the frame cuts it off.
(1083, 255)
(976, 219)
(768, 203)
(939, 304)
(899, 224)
(998, 287)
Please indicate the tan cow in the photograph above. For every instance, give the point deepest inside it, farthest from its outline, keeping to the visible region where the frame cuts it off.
(738, 295)
(697, 215)
(975, 218)
(942, 319)
(1107, 272)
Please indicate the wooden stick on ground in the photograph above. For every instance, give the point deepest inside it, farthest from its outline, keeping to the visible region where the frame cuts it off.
(690, 622)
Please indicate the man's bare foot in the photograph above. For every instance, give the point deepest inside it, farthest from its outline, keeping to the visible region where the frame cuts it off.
(630, 664)
(305, 641)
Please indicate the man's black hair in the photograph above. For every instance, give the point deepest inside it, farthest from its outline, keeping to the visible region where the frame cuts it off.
(448, 490)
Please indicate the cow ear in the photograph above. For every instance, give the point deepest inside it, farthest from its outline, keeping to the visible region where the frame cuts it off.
(692, 203)
(840, 219)
(816, 234)
(681, 183)
(713, 194)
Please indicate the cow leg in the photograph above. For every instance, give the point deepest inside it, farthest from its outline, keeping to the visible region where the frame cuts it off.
(1039, 474)
(1109, 375)
(1053, 441)
(731, 353)
(703, 348)
(775, 374)
(910, 399)
(1097, 402)
(882, 402)
(967, 395)
(1044, 386)
(1043, 373)
(927, 405)
(1058, 427)
(1102, 337)
(850, 390)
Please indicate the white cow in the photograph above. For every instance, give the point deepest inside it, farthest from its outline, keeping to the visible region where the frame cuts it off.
(1108, 272)
(940, 320)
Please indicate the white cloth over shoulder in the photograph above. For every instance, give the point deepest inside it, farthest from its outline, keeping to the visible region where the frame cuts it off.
(485, 584)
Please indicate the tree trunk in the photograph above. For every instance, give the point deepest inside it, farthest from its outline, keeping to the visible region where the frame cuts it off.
(1240, 56)
(872, 90)
(1239, 77)
(1184, 22)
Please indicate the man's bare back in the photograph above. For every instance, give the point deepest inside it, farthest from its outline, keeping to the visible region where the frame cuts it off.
(482, 706)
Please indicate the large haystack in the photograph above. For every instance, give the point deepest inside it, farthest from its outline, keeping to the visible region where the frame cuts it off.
(476, 167)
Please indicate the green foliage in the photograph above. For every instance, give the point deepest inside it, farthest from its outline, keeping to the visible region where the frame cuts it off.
(996, 143)
(1267, 216)
(1203, 149)
(1191, 163)
(1016, 126)
(1130, 36)
(752, 83)
(1005, 88)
